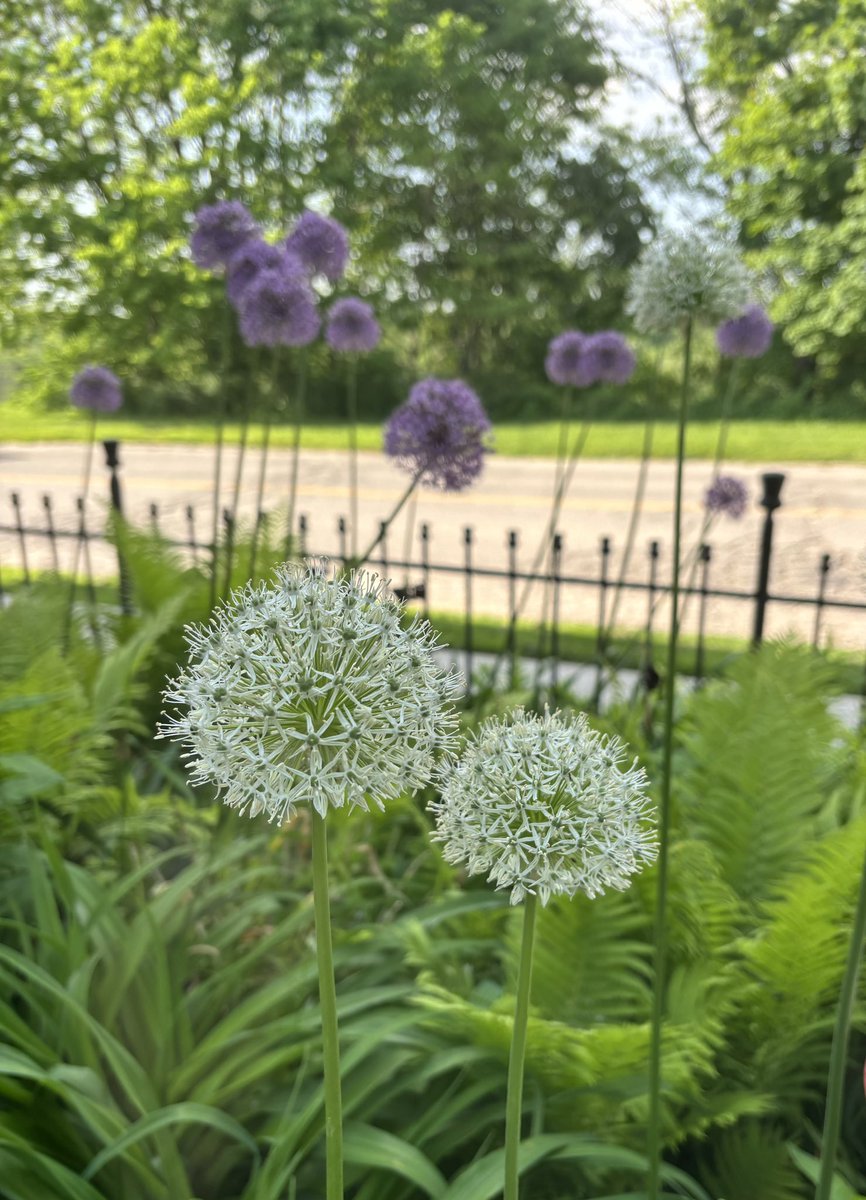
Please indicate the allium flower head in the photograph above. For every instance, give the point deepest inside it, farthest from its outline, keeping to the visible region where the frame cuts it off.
(321, 243)
(609, 357)
(249, 261)
(278, 307)
(219, 232)
(351, 326)
(686, 275)
(440, 434)
(543, 806)
(727, 495)
(96, 388)
(747, 336)
(568, 361)
(311, 690)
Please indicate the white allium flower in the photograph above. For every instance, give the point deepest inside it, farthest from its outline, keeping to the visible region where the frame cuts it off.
(543, 805)
(310, 689)
(683, 275)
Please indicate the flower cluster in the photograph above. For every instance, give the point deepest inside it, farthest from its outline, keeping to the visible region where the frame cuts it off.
(684, 276)
(96, 388)
(253, 257)
(311, 690)
(219, 231)
(321, 244)
(352, 327)
(439, 434)
(278, 308)
(727, 496)
(579, 359)
(543, 806)
(747, 336)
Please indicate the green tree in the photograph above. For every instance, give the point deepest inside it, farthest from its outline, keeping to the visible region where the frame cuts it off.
(793, 155)
(453, 140)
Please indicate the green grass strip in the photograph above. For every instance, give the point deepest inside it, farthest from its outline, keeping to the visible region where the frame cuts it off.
(748, 441)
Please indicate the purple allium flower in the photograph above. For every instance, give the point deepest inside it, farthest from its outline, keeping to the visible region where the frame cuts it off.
(746, 336)
(568, 360)
(96, 388)
(609, 358)
(439, 433)
(250, 260)
(219, 232)
(321, 244)
(278, 308)
(352, 326)
(727, 495)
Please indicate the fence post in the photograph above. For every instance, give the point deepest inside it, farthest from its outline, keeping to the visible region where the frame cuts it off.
(824, 571)
(511, 639)
(425, 567)
(770, 501)
(705, 554)
(467, 567)
(556, 570)
(112, 460)
(22, 539)
(52, 532)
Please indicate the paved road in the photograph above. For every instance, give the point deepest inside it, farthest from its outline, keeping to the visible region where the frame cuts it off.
(824, 511)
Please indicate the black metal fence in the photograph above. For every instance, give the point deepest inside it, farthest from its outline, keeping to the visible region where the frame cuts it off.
(553, 581)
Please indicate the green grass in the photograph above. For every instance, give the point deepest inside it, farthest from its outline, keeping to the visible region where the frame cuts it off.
(749, 441)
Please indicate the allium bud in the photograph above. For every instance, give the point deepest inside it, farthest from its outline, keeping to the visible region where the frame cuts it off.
(278, 307)
(568, 361)
(96, 388)
(685, 276)
(440, 434)
(321, 243)
(543, 806)
(747, 336)
(352, 327)
(727, 495)
(311, 691)
(219, 232)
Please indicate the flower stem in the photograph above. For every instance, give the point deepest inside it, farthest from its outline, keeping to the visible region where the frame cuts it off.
(218, 453)
(654, 1130)
(352, 420)
(80, 540)
(836, 1078)
(300, 403)
(263, 463)
(634, 518)
(359, 559)
(514, 1099)
(328, 1003)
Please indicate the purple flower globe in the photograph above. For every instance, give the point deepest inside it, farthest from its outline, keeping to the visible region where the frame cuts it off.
(352, 327)
(219, 232)
(746, 336)
(278, 308)
(321, 244)
(727, 496)
(609, 357)
(568, 360)
(439, 434)
(96, 388)
(250, 260)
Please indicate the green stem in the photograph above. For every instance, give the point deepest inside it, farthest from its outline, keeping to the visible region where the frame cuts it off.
(218, 455)
(236, 491)
(636, 510)
(660, 924)
(328, 1004)
(352, 418)
(263, 463)
(359, 560)
(514, 1098)
(79, 541)
(838, 1053)
(300, 404)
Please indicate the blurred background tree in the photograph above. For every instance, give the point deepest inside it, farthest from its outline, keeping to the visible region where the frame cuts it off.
(454, 141)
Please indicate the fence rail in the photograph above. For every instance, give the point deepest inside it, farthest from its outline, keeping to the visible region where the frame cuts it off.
(553, 581)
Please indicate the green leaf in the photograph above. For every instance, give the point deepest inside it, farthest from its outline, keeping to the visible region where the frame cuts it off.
(366, 1146)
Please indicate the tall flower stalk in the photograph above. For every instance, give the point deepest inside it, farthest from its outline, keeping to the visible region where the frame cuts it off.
(312, 691)
(838, 1052)
(543, 807)
(681, 278)
(352, 329)
(96, 390)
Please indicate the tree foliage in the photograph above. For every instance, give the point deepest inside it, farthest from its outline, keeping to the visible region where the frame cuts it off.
(452, 139)
(795, 78)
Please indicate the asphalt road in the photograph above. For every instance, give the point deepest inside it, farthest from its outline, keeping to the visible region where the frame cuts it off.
(824, 511)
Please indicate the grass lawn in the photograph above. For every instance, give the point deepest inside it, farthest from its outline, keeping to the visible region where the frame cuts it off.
(749, 441)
